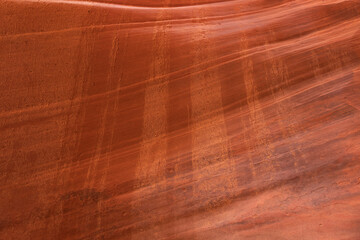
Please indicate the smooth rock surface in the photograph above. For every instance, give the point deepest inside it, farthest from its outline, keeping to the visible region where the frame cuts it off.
(187, 119)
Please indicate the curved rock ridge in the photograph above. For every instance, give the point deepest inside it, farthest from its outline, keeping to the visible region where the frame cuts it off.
(187, 119)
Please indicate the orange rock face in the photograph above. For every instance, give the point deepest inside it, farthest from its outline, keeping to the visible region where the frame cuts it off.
(187, 119)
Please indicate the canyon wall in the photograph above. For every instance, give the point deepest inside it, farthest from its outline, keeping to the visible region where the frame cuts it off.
(187, 119)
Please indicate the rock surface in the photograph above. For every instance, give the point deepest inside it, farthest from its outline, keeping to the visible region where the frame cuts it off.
(187, 119)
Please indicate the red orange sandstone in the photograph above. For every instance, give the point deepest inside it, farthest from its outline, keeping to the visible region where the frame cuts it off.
(187, 119)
